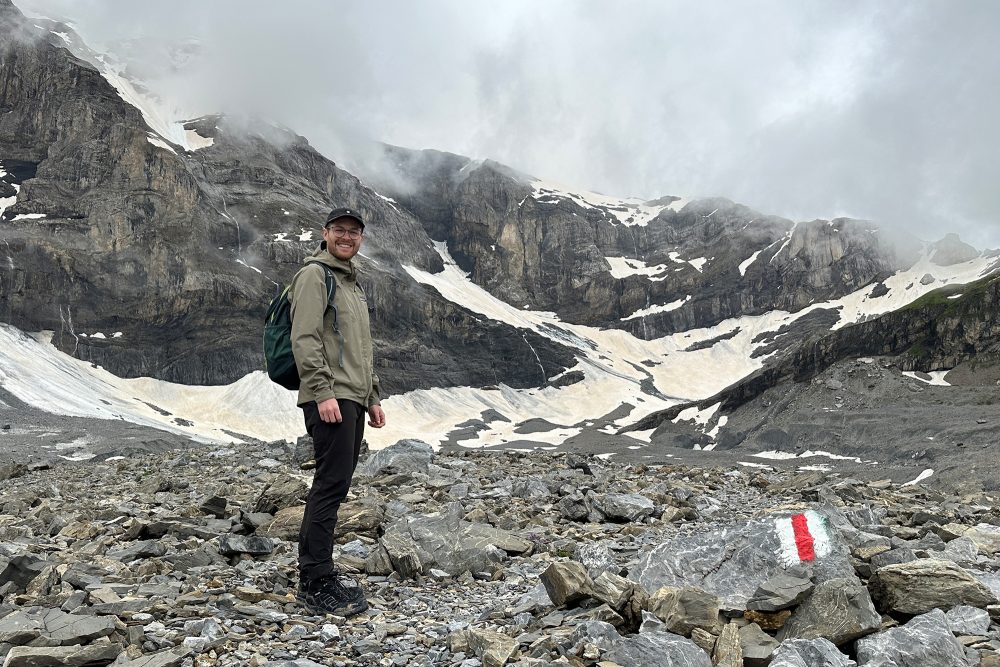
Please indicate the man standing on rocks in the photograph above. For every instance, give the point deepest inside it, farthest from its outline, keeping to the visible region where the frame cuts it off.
(332, 345)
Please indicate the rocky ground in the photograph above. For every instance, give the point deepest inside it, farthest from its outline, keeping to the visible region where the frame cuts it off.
(187, 557)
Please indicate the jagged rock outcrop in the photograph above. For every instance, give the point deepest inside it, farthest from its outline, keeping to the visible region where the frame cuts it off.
(172, 255)
(528, 243)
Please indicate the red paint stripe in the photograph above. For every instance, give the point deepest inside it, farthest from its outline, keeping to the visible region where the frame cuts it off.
(803, 539)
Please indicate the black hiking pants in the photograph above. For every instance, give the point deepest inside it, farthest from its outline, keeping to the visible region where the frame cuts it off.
(337, 446)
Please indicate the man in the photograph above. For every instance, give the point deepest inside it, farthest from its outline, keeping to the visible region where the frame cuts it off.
(333, 353)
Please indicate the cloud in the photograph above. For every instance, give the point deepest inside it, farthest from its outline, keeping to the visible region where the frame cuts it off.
(819, 108)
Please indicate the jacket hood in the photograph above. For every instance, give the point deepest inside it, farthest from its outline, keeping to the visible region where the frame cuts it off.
(323, 255)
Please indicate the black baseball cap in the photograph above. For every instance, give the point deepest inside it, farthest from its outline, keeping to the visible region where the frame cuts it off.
(345, 212)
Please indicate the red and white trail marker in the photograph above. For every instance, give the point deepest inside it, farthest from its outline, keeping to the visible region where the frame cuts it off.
(804, 537)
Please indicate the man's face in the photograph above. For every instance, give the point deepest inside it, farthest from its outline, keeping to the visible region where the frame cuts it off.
(343, 238)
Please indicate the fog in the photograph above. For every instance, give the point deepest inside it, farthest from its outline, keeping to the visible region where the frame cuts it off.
(885, 111)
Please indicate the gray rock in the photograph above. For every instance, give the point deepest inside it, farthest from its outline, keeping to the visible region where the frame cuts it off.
(574, 507)
(596, 557)
(171, 657)
(567, 583)
(285, 491)
(601, 634)
(965, 620)
(623, 595)
(406, 456)
(137, 550)
(655, 649)
(445, 541)
(733, 561)
(230, 545)
(892, 557)
(623, 507)
(817, 652)
(65, 656)
(53, 627)
(757, 646)
(780, 592)
(684, 609)
(925, 641)
(961, 550)
(531, 489)
(922, 585)
(839, 610)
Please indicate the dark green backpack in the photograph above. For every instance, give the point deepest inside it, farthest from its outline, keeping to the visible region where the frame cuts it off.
(278, 358)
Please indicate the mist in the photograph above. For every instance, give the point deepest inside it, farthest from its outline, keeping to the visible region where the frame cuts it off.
(817, 109)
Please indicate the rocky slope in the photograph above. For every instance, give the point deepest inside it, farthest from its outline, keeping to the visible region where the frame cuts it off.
(187, 558)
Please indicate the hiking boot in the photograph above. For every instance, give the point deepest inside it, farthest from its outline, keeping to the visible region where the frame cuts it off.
(330, 595)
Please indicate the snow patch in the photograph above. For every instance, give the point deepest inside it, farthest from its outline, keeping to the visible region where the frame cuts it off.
(652, 310)
(157, 141)
(28, 216)
(919, 478)
(623, 267)
(936, 378)
(745, 264)
(628, 212)
(196, 142)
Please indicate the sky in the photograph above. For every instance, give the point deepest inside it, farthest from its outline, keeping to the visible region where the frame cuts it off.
(808, 109)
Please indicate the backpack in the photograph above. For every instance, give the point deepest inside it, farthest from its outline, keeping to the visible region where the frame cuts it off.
(279, 362)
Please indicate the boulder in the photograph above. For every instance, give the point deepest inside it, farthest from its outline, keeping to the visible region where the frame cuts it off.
(986, 537)
(922, 585)
(567, 583)
(622, 507)
(816, 652)
(838, 610)
(734, 561)
(781, 591)
(285, 491)
(254, 545)
(655, 649)
(683, 609)
(925, 641)
(65, 656)
(597, 558)
(757, 646)
(406, 456)
(965, 620)
(493, 648)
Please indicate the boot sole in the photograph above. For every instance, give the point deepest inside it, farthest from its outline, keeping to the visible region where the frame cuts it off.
(347, 610)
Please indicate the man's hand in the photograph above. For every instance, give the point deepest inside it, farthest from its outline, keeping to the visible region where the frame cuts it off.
(329, 410)
(376, 417)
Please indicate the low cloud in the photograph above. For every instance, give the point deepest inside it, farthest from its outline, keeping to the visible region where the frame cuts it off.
(883, 111)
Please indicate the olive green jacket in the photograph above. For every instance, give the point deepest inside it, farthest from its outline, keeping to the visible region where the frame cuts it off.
(332, 347)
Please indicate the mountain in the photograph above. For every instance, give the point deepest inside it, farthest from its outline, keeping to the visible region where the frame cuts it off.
(507, 310)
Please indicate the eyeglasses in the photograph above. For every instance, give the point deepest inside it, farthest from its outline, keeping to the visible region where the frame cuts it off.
(340, 232)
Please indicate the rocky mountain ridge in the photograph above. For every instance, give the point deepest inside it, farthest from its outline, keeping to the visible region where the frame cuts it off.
(152, 249)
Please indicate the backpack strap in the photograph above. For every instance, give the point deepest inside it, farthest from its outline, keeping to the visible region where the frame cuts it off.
(331, 292)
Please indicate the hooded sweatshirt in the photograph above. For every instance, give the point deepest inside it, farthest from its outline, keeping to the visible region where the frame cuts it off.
(332, 346)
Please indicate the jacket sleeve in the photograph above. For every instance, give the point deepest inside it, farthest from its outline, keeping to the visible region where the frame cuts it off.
(375, 398)
(308, 308)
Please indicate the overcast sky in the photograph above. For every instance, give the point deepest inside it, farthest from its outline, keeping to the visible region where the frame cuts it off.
(883, 110)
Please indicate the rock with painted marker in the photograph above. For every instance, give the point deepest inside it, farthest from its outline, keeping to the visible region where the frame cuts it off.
(733, 561)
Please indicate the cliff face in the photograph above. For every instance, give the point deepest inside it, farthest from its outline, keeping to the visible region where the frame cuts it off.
(172, 255)
(596, 260)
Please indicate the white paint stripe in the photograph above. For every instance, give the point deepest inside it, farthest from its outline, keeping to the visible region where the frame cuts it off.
(786, 535)
(816, 522)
